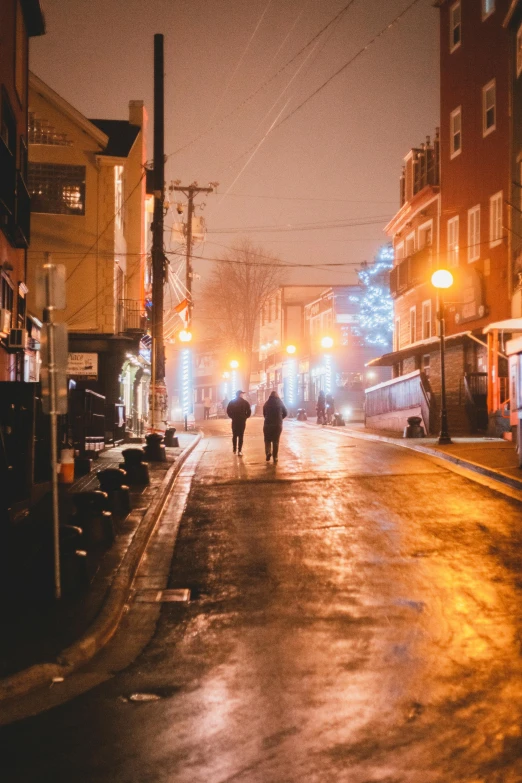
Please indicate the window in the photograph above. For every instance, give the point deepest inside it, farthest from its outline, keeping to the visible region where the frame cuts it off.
(488, 6)
(413, 324)
(453, 241)
(118, 198)
(519, 50)
(57, 189)
(399, 251)
(397, 335)
(426, 319)
(488, 108)
(495, 219)
(426, 235)
(455, 27)
(6, 294)
(455, 132)
(474, 233)
(410, 245)
(426, 365)
(8, 125)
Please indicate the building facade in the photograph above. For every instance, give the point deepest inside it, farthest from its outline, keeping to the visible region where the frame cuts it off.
(88, 189)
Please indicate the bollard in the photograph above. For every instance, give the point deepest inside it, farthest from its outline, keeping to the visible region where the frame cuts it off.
(93, 518)
(136, 469)
(154, 450)
(170, 440)
(118, 494)
(414, 429)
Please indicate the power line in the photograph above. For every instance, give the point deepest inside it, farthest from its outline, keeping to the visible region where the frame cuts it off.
(331, 78)
(265, 84)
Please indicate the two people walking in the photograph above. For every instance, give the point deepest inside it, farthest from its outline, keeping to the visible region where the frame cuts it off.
(274, 412)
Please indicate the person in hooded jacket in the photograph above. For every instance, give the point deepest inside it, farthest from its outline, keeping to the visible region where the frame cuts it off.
(274, 412)
(239, 411)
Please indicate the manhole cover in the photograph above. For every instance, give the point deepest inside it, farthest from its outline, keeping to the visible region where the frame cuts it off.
(163, 596)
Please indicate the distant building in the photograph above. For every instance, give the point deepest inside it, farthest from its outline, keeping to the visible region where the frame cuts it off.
(88, 191)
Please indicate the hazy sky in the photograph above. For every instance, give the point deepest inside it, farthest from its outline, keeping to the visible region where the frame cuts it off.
(337, 159)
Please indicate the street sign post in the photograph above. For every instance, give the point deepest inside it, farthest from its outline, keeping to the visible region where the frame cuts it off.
(50, 294)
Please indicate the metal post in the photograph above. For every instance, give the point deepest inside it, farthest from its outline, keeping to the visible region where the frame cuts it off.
(53, 395)
(158, 258)
(444, 437)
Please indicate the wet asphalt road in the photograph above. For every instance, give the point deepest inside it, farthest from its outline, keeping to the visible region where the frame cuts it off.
(355, 617)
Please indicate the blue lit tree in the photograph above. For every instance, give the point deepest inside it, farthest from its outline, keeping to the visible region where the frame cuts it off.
(375, 302)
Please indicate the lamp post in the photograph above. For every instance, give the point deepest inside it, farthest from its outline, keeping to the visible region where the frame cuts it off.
(234, 364)
(187, 394)
(442, 279)
(291, 377)
(327, 343)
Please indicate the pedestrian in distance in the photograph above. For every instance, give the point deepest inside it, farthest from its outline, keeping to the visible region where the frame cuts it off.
(207, 403)
(330, 408)
(321, 408)
(274, 412)
(239, 411)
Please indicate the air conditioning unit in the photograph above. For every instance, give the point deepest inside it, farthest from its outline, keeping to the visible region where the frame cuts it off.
(18, 338)
(5, 321)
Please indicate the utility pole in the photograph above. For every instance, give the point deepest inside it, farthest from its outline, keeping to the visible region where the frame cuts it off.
(189, 191)
(158, 388)
(186, 358)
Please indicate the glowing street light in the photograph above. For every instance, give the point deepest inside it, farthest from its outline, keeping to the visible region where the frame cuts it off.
(327, 342)
(185, 336)
(291, 349)
(234, 364)
(442, 279)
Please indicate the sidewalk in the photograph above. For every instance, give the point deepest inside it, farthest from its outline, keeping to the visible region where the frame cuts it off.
(44, 639)
(493, 458)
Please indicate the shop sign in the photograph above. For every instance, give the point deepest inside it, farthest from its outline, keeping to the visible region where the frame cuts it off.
(83, 365)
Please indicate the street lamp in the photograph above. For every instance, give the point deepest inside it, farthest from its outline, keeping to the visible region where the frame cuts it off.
(291, 377)
(185, 336)
(234, 364)
(327, 342)
(442, 279)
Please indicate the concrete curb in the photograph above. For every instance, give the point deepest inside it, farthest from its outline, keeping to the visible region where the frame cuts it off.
(114, 607)
(495, 475)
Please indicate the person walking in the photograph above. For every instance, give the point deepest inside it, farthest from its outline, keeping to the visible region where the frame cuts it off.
(321, 408)
(274, 412)
(239, 411)
(207, 403)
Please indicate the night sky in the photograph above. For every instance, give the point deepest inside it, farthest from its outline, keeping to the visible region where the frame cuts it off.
(337, 159)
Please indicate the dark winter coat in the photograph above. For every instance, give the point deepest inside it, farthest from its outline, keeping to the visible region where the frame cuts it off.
(274, 412)
(238, 410)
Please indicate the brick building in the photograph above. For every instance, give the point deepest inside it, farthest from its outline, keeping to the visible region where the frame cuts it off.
(467, 201)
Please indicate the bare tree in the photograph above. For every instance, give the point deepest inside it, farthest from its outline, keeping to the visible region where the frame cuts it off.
(234, 295)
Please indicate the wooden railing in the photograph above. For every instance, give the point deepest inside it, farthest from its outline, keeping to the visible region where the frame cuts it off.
(400, 394)
(411, 271)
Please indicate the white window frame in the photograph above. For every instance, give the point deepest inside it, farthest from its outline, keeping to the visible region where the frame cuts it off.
(487, 88)
(422, 230)
(519, 50)
(397, 334)
(399, 251)
(485, 12)
(454, 114)
(410, 239)
(454, 25)
(426, 320)
(413, 324)
(474, 233)
(495, 219)
(453, 241)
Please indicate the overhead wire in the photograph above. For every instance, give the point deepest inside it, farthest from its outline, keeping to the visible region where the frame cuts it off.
(262, 86)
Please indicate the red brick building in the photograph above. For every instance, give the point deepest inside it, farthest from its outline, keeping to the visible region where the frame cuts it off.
(470, 217)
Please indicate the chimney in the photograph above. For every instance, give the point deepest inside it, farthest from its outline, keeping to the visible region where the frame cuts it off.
(137, 113)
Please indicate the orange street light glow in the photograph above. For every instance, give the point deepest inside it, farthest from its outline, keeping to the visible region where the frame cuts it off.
(442, 278)
(291, 349)
(185, 336)
(234, 364)
(327, 342)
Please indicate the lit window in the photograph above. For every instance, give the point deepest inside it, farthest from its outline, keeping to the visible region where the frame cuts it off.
(425, 235)
(426, 319)
(474, 233)
(488, 108)
(495, 219)
(453, 241)
(455, 27)
(488, 6)
(455, 132)
(413, 324)
(57, 189)
(519, 51)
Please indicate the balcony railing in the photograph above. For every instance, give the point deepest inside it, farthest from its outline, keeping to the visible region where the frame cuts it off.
(411, 271)
(131, 316)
